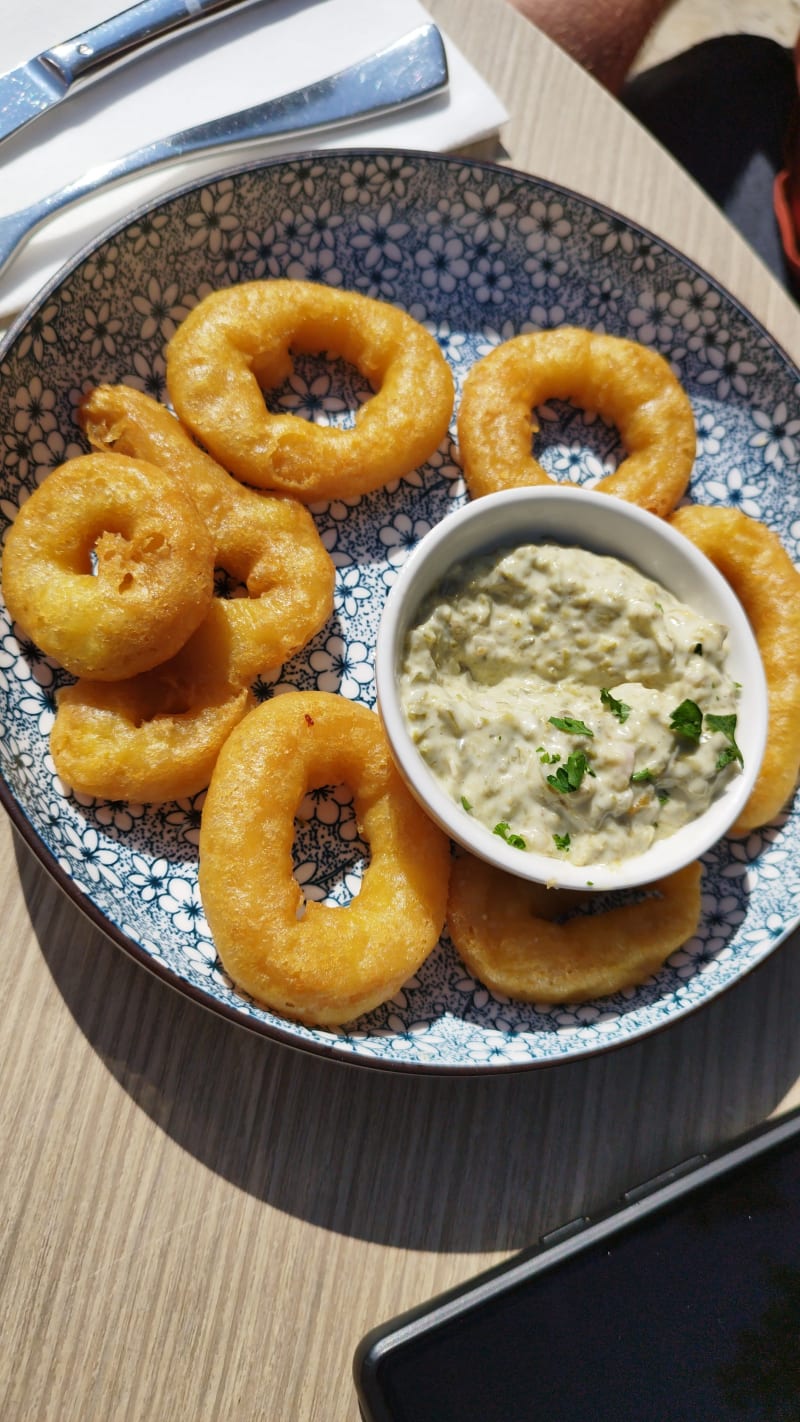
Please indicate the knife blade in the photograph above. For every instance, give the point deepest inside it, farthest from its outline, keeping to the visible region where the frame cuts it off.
(36, 86)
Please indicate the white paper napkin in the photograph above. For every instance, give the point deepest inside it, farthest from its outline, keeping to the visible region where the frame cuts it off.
(249, 54)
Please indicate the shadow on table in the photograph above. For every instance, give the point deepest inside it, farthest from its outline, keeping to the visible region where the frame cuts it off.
(444, 1164)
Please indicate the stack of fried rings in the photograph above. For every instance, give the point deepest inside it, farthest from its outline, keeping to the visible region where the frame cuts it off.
(157, 736)
(266, 543)
(152, 735)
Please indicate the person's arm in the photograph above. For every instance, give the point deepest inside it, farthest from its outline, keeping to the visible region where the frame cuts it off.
(602, 35)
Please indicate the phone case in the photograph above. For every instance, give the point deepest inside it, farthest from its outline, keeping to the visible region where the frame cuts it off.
(415, 1332)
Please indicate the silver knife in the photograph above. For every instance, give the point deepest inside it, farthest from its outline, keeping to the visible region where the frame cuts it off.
(35, 87)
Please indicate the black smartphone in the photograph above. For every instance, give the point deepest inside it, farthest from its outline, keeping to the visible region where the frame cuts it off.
(681, 1304)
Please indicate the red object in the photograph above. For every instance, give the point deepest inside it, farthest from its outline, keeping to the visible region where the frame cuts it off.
(786, 190)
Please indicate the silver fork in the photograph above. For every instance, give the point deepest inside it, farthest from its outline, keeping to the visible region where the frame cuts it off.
(411, 69)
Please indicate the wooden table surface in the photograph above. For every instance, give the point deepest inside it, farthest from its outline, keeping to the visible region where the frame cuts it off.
(199, 1223)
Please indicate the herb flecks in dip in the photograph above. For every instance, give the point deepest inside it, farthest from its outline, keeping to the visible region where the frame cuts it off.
(572, 704)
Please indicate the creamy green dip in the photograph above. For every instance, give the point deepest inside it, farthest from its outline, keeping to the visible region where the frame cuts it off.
(570, 703)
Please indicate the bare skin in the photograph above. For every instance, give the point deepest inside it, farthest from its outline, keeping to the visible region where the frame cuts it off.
(604, 36)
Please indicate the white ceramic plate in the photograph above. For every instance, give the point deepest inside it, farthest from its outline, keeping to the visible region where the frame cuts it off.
(478, 253)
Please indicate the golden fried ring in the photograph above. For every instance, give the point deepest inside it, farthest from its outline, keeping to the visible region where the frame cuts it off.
(156, 736)
(270, 544)
(753, 560)
(154, 567)
(237, 342)
(626, 382)
(504, 929)
(315, 962)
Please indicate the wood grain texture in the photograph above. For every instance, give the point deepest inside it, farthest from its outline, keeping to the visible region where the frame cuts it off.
(198, 1223)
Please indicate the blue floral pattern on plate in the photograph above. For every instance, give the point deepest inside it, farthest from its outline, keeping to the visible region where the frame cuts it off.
(478, 254)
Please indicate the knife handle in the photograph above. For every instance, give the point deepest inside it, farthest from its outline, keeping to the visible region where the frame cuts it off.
(114, 39)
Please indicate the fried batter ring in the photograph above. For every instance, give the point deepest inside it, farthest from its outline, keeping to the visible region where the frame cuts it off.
(314, 962)
(153, 578)
(753, 560)
(504, 929)
(623, 380)
(154, 737)
(237, 342)
(269, 544)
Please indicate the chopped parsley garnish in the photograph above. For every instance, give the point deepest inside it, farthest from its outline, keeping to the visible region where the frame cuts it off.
(515, 840)
(662, 796)
(727, 755)
(568, 777)
(561, 841)
(572, 726)
(687, 720)
(727, 725)
(617, 708)
(547, 757)
(466, 804)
